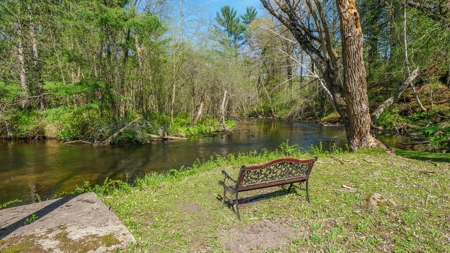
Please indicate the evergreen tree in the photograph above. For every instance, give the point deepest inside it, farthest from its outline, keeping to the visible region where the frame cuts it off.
(231, 24)
(249, 16)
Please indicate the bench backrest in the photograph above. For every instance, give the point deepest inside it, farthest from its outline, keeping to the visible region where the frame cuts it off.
(276, 172)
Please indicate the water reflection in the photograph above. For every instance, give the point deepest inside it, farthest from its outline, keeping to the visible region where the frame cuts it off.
(48, 168)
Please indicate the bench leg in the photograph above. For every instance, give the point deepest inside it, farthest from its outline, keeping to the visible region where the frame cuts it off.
(236, 202)
(307, 193)
(224, 195)
(290, 186)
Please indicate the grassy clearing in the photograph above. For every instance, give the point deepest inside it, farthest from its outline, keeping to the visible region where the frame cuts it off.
(181, 211)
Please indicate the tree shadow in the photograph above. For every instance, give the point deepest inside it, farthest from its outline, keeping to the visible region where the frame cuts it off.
(32, 217)
(424, 156)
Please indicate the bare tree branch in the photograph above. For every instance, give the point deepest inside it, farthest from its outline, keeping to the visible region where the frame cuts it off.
(437, 11)
(376, 114)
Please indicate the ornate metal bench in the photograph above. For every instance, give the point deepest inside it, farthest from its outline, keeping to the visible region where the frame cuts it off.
(277, 172)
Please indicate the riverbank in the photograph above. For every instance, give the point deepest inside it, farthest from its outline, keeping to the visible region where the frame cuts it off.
(182, 211)
(101, 132)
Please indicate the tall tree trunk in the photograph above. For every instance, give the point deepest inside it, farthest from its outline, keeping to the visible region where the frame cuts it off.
(222, 110)
(37, 66)
(199, 109)
(448, 78)
(123, 73)
(301, 67)
(290, 71)
(138, 51)
(172, 100)
(23, 74)
(355, 85)
(175, 69)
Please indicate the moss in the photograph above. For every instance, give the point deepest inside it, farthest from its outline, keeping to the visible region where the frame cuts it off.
(20, 244)
(332, 117)
(86, 243)
(65, 243)
(110, 240)
(15, 248)
(86, 246)
(62, 236)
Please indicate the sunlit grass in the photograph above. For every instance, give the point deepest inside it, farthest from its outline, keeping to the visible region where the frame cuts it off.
(181, 212)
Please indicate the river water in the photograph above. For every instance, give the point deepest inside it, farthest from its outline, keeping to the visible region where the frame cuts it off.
(30, 170)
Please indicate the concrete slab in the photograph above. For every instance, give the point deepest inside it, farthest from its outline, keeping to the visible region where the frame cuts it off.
(73, 224)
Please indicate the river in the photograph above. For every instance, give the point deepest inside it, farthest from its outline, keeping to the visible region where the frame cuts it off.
(33, 170)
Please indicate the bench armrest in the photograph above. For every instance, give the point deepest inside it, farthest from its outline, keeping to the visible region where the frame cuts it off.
(228, 176)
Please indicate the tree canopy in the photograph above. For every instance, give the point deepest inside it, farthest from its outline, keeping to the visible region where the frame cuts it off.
(84, 69)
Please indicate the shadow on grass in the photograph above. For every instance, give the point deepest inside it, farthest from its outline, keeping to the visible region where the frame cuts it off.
(424, 156)
(261, 197)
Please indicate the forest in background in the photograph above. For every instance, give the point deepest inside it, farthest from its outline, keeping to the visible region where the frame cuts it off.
(87, 69)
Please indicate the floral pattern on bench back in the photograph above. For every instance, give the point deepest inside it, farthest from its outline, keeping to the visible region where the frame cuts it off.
(276, 172)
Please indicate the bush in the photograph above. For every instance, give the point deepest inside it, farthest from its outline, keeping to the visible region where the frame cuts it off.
(26, 124)
(389, 118)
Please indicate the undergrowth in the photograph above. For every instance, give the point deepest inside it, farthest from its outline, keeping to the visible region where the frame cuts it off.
(432, 125)
(90, 123)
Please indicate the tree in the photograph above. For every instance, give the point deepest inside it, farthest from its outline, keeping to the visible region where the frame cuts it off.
(249, 16)
(438, 10)
(19, 26)
(317, 40)
(273, 50)
(355, 85)
(231, 24)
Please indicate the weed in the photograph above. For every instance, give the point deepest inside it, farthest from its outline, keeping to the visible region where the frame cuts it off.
(289, 149)
(32, 218)
(4, 205)
(409, 217)
(363, 225)
(332, 249)
(317, 238)
(315, 225)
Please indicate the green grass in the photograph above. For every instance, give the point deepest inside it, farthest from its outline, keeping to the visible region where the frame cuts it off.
(181, 211)
(207, 127)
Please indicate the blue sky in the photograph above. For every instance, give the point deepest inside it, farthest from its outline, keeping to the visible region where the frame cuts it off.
(239, 5)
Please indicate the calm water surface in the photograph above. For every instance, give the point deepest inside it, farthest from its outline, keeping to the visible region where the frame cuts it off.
(47, 168)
